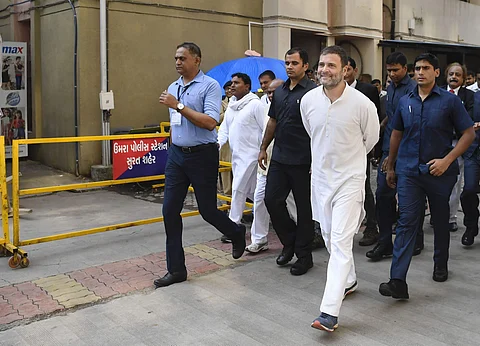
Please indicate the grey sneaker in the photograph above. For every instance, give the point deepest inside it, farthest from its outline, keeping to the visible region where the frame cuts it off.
(254, 248)
(350, 289)
(325, 322)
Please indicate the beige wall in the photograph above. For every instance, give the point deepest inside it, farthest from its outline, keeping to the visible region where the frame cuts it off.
(6, 23)
(356, 18)
(141, 43)
(311, 12)
(450, 21)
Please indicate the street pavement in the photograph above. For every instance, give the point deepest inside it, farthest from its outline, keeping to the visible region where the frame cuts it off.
(97, 290)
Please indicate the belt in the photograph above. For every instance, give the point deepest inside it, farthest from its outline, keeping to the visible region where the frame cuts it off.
(188, 150)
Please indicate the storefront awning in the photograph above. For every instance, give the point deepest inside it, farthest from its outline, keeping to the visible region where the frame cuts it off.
(431, 46)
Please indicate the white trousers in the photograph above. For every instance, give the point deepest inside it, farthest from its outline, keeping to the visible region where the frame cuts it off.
(237, 205)
(457, 191)
(341, 222)
(261, 219)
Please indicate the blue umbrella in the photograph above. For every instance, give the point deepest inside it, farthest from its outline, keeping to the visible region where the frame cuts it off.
(252, 66)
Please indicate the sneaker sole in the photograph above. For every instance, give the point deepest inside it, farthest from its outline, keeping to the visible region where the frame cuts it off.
(350, 291)
(376, 259)
(263, 248)
(319, 326)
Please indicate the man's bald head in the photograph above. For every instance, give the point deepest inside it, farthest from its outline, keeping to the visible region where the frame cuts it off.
(274, 84)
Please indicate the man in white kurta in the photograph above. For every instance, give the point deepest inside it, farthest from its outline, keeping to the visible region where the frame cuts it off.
(261, 220)
(242, 127)
(343, 126)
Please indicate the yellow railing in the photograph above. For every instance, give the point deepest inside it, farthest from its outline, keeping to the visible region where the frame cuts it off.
(19, 257)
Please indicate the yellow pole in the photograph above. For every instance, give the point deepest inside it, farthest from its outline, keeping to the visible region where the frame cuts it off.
(15, 193)
(4, 191)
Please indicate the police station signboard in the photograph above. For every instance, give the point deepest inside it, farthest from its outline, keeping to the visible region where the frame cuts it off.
(13, 95)
(133, 158)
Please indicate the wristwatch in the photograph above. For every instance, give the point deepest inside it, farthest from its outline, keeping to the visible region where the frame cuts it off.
(180, 106)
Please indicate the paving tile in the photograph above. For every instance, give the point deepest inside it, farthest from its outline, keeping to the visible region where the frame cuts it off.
(28, 311)
(51, 280)
(80, 301)
(60, 293)
(10, 318)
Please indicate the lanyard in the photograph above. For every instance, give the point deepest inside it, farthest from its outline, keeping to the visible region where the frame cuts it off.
(180, 95)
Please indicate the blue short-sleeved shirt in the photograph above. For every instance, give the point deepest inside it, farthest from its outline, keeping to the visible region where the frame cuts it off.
(428, 129)
(394, 94)
(203, 94)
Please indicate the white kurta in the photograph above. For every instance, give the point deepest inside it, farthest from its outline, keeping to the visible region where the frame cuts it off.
(242, 128)
(342, 133)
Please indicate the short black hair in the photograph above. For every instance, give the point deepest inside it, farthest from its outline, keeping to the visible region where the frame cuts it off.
(338, 51)
(352, 62)
(410, 67)
(396, 58)
(268, 73)
(246, 79)
(192, 48)
(375, 81)
(432, 60)
(302, 52)
(227, 84)
(470, 73)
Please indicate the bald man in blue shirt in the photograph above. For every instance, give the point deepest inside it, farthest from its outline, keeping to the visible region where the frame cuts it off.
(194, 104)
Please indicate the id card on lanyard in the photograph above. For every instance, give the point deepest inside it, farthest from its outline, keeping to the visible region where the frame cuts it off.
(176, 117)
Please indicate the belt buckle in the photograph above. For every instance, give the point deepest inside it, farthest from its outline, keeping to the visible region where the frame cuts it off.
(186, 150)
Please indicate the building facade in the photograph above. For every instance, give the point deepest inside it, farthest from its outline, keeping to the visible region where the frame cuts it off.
(143, 34)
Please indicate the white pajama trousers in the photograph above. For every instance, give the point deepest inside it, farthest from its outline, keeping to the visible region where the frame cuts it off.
(237, 205)
(261, 219)
(341, 221)
(457, 191)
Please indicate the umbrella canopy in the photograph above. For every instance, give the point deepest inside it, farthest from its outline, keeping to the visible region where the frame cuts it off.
(252, 66)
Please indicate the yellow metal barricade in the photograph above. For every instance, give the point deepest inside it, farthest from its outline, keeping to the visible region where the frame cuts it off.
(6, 247)
(19, 257)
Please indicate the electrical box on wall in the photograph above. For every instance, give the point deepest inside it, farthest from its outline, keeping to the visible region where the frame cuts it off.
(106, 100)
(411, 24)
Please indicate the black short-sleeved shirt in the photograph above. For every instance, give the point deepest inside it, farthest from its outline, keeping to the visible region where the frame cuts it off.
(292, 143)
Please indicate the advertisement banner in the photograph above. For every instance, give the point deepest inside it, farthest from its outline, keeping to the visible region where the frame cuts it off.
(13, 95)
(133, 158)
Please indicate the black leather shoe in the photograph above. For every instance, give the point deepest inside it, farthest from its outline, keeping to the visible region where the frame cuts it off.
(395, 288)
(440, 273)
(170, 278)
(418, 249)
(379, 252)
(453, 227)
(469, 236)
(239, 244)
(369, 238)
(302, 265)
(285, 257)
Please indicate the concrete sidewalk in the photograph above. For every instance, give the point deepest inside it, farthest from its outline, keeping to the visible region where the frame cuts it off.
(259, 303)
(97, 289)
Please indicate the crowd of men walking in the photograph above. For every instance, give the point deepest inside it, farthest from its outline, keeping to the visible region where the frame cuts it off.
(302, 154)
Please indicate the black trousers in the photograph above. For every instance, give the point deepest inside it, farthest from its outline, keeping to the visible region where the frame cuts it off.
(199, 168)
(282, 179)
(369, 205)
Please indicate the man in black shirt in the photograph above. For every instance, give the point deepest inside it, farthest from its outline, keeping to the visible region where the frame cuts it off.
(290, 165)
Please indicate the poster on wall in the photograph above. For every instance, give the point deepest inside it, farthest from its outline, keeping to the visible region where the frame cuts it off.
(13, 95)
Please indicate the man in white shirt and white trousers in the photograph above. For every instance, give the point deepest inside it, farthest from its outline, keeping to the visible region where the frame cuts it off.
(343, 126)
(242, 127)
